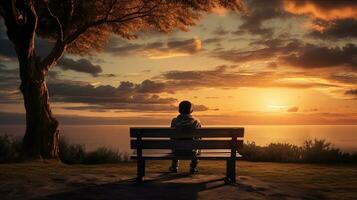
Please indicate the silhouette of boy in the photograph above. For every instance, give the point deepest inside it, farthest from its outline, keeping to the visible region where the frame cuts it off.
(185, 120)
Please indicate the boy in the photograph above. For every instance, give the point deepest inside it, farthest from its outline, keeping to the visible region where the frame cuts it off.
(185, 120)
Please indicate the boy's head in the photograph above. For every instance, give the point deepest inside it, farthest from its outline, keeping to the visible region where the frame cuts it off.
(185, 107)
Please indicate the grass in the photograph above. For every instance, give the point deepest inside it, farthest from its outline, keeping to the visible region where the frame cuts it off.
(17, 180)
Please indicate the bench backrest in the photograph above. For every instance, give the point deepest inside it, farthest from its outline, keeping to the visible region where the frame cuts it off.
(169, 138)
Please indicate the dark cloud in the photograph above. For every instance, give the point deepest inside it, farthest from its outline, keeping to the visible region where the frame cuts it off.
(155, 49)
(263, 50)
(272, 65)
(339, 29)
(190, 46)
(220, 31)
(293, 109)
(352, 92)
(312, 56)
(225, 77)
(258, 13)
(127, 96)
(212, 40)
(349, 78)
(81, 65)
(148, 86)
(9, 84)
(293, 52)
(6, 49)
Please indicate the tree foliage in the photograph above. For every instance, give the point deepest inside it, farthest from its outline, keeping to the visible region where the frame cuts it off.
(82, 26)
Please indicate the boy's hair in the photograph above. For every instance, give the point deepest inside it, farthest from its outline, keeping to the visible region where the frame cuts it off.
(185, 107)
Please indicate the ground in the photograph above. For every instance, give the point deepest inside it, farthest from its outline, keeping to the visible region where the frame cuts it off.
(53, 180)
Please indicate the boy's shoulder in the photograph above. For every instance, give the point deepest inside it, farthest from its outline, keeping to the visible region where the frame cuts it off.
(185, 121)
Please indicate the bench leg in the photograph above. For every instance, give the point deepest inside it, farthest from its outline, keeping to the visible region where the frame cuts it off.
(231, 171)
(140, 170)
(228, 170)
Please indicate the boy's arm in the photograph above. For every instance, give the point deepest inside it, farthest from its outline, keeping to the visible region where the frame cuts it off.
(198, 123)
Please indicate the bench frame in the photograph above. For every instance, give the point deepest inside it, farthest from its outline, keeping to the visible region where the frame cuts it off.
(138, 142)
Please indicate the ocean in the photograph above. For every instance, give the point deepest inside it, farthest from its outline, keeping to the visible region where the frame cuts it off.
(116, 137)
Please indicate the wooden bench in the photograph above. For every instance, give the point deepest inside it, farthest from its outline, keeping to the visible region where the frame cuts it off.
(227, 140)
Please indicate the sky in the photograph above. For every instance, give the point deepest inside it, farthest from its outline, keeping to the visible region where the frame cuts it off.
(278, 62)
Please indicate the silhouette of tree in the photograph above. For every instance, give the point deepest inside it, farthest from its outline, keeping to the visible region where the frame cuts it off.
(81, 27)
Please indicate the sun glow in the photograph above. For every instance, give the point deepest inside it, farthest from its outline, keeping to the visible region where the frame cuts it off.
(277, 107)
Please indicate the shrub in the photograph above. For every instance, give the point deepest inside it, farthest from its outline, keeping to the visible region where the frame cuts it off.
(71, 153)
(76, 154)
(313, 151)
(282, 152)
(320, 151)
(10, 150)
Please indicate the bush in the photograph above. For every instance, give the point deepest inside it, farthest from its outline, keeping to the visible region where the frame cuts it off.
(76, 154)
(10, 150)
(71, 153)
(274, 152)
(320, 151)
(313, 151)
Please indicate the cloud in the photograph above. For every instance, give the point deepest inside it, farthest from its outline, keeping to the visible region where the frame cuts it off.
(9, 84)
(225, 77)
(352, 92)
(6, 49)
(332, 20)
(344, 77)
(339, 29)
(81, 65)
(258, 13)
(127, 96)
(212, 40)
(293, 52)
(312, 56)
(293, 109)
(157, 50)
(220, 31)
(267, 50)
(325, 10)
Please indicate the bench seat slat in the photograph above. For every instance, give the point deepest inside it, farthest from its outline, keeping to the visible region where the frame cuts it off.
(223, 156)
(182, 133)
(185, 144)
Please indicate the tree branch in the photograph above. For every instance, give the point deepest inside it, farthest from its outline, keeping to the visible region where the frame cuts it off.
(61, 45)
(60, 27)
(55, 54)
(122, 19)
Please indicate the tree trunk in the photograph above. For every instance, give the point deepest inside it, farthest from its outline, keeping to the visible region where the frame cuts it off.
(41, 139)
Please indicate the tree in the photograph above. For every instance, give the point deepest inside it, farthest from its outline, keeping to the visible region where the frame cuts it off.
(80, 27)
